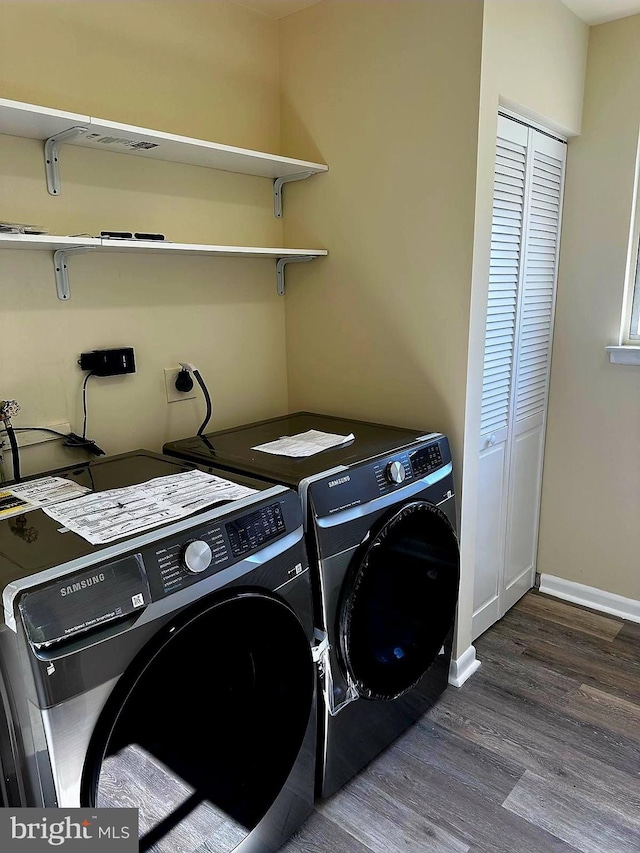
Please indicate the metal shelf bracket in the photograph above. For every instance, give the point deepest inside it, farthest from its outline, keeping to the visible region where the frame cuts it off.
(277, 189)
(51, 147)
(61, 271)
(281, 264)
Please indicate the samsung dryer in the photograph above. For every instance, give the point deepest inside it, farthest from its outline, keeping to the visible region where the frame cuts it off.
(380, 517)
(170, 671)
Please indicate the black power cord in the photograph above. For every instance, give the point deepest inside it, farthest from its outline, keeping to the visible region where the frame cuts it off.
(70, 439)
(207, 399)
(191, 368)
(8, 409)
(84, 405)
(15, 453)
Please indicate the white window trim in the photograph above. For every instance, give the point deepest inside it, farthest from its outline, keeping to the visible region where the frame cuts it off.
(627, 350)
(634, 320)
(624, 354)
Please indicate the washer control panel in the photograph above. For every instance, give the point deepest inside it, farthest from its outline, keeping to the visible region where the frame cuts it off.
(203, 551)
(255, 529)
(196, 556)
(178, 563)
(395, 472)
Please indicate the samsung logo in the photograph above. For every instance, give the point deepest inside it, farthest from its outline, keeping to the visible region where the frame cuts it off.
(83, 584)
(339, 481)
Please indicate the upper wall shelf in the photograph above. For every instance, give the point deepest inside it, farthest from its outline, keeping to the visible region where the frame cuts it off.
(48, 242)
(62, 247)
(55, 127)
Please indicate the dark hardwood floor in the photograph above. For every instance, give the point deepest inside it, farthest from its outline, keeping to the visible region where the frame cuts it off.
(538, 752)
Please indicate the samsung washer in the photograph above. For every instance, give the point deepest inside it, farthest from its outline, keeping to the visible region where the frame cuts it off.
(380, 517)
(171, 671)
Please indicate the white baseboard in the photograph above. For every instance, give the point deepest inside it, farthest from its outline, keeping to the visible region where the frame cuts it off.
(463, 667)
(589, 596)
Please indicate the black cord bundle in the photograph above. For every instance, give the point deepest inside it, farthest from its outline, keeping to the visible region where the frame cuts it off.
(207, 399)
(84, 405)
(70, 439)
(15, 453)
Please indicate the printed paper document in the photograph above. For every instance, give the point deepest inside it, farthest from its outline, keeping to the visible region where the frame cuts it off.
(104, 516)
(34, 494)
(304, 443)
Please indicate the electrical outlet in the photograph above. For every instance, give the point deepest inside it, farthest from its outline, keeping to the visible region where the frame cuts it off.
(173, 395)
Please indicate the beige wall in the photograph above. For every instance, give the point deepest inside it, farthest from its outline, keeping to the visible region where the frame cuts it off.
(378, 330)
(206, 69)
(534, 56)
(387, 94)
(590, 530)
(533, 59)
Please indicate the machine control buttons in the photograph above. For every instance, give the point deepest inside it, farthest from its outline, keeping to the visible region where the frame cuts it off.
(255, 529)
(181, 562)
(196, 556)
(395, 472)
(390, 473)
(426, 460)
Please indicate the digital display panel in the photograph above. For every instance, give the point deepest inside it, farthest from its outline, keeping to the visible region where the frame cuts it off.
(254, 529)
(426, 460)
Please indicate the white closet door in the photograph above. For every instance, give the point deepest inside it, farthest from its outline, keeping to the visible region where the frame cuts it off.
(502, 306)
(525, 234)
(531, 386)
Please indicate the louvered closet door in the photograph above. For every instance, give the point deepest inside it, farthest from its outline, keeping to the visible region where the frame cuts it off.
(531, 380)
(524, 241)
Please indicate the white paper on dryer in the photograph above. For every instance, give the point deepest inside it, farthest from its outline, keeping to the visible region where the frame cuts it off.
(304, 443)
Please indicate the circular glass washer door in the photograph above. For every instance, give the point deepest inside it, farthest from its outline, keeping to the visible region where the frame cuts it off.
(398, 601)
(205, 725)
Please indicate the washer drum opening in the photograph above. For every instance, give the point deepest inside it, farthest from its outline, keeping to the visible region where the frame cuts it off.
(205, 726)
(399, 601)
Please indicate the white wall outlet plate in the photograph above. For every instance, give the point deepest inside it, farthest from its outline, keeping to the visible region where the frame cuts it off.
(173, 395)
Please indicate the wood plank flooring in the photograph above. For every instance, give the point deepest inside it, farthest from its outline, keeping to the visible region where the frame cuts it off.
(539, 752)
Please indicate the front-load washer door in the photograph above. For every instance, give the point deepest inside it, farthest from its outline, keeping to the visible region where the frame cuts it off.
(398, 601)
(205, 727)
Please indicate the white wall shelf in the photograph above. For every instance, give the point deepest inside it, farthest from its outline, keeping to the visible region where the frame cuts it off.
(62, 247)
(163, 247)
(46, 242)
(33, 122)
(55, 127)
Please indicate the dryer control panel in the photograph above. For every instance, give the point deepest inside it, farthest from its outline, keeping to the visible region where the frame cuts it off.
(367, 481)
(392, 471)
(426, 460)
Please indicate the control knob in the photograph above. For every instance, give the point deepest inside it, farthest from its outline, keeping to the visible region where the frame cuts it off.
(395, 472)
(196, 556)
